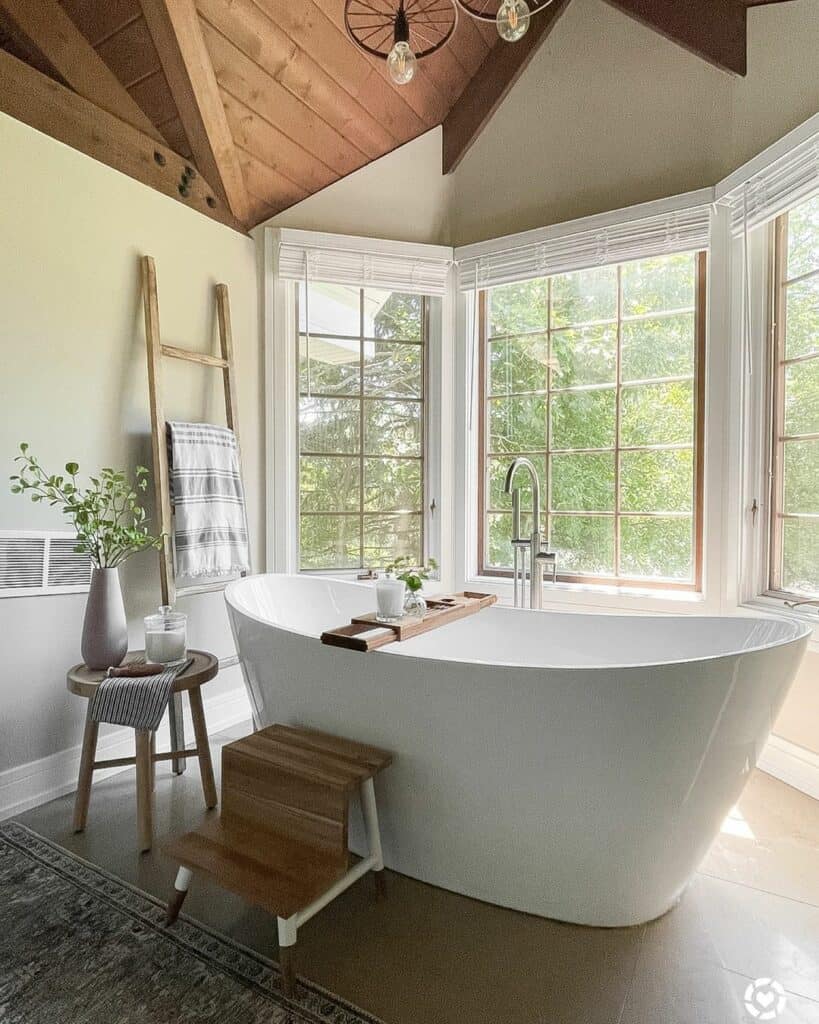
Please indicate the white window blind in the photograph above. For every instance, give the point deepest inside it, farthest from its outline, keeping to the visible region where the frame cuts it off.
(418, 269)
(781, 177)
(680, 230)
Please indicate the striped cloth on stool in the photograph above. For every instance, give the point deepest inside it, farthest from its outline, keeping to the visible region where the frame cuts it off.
(136, 701)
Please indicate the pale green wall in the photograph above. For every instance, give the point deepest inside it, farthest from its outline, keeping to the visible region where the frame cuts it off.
(74, 385)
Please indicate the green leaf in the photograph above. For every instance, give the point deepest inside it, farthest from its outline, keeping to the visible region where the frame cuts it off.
(72, 468)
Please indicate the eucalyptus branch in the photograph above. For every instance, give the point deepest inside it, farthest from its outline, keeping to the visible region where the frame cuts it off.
(110, 523)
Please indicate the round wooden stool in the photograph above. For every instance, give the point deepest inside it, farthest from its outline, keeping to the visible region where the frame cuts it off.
(84, 682)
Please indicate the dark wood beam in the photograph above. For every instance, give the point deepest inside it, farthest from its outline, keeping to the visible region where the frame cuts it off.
(491, 82)
(55, 110)
(712, 29)
(177, 34)
(43, 27)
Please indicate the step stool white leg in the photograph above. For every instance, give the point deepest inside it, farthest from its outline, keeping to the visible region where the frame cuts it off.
(288, 934)
(180, 891)
(370, 811)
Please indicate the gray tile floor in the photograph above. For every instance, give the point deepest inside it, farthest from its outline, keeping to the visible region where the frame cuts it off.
(427, 956)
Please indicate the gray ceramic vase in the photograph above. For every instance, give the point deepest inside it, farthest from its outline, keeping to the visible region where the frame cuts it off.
(105, 629)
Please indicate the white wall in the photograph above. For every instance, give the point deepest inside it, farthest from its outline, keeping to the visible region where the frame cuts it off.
(74, 385)
(402, 196)
(607, 114)
(781, 89)
(798, 721)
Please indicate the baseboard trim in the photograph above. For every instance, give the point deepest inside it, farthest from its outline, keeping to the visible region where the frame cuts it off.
(791, 764)
(35, 783)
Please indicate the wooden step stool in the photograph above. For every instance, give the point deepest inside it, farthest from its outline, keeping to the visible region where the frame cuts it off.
(281, 842)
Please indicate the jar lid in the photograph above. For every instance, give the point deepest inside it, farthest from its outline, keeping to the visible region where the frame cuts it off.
(166, 617)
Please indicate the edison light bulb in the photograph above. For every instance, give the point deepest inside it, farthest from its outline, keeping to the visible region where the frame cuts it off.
(512, 20)
(401, 63)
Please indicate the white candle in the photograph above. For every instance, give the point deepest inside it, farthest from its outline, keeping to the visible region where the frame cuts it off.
(165, 647)
(389, 597)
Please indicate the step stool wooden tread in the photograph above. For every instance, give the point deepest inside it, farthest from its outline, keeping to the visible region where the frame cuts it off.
(334, 773)
(316, 757)
(271, 871)
(372, 758)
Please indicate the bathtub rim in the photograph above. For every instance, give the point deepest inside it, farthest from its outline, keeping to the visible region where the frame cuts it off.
(803, 632)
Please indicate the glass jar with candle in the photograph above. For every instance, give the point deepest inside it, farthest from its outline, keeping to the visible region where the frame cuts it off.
(389, 598)
(166, 637)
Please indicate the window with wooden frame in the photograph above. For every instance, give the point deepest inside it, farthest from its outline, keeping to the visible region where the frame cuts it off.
(597, 377)
(794, 547)
(361, 419)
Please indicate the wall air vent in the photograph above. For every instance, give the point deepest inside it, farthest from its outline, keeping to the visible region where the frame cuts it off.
(34, 562)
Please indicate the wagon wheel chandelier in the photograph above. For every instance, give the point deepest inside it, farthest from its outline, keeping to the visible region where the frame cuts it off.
(386, 28)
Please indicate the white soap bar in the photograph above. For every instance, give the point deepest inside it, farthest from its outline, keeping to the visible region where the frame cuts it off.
(372, 634)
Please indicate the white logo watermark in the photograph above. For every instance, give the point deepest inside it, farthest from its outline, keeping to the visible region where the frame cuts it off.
(765, 999)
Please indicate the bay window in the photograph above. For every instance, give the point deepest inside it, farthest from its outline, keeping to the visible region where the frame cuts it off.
(794, 548)
(596, 376)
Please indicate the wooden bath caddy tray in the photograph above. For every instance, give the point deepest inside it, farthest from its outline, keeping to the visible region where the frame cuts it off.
(365, 633)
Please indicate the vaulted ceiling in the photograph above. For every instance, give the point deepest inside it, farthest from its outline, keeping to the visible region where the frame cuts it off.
(241, 108)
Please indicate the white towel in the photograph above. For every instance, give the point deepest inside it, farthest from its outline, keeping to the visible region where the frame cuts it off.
(210, 524)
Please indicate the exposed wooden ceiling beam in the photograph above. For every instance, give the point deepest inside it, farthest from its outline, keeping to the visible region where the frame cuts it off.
(55, 110)
(490, 84)
(44, 27)
(177, 35)
(712, 29)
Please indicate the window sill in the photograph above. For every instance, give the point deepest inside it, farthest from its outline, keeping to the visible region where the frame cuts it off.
(597, 597)
(335, 574)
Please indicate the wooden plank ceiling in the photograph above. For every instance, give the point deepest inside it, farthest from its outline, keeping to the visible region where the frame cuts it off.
(267, 101)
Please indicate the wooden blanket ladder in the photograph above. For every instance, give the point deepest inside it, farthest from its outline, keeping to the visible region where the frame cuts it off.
(156, 350)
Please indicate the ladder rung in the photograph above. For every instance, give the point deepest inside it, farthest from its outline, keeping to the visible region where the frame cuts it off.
(193, 357)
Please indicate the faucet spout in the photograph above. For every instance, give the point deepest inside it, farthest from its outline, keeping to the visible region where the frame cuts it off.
(528, 465)
(534, 542)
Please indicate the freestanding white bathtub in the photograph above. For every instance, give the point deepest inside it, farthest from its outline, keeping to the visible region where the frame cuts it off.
(569, 765)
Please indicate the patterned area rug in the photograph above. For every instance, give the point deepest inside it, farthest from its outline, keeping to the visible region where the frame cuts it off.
(78, 946)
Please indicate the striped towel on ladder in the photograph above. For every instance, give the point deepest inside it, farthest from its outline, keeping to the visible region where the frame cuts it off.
(135, 701)
(210, 524)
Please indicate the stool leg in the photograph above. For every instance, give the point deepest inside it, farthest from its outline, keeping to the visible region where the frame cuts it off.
(288, 933)
(370, 812)
(180, 891)
(145, 796)
(89, 753)
(176, 723)
(200, 730)
(153, 762)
